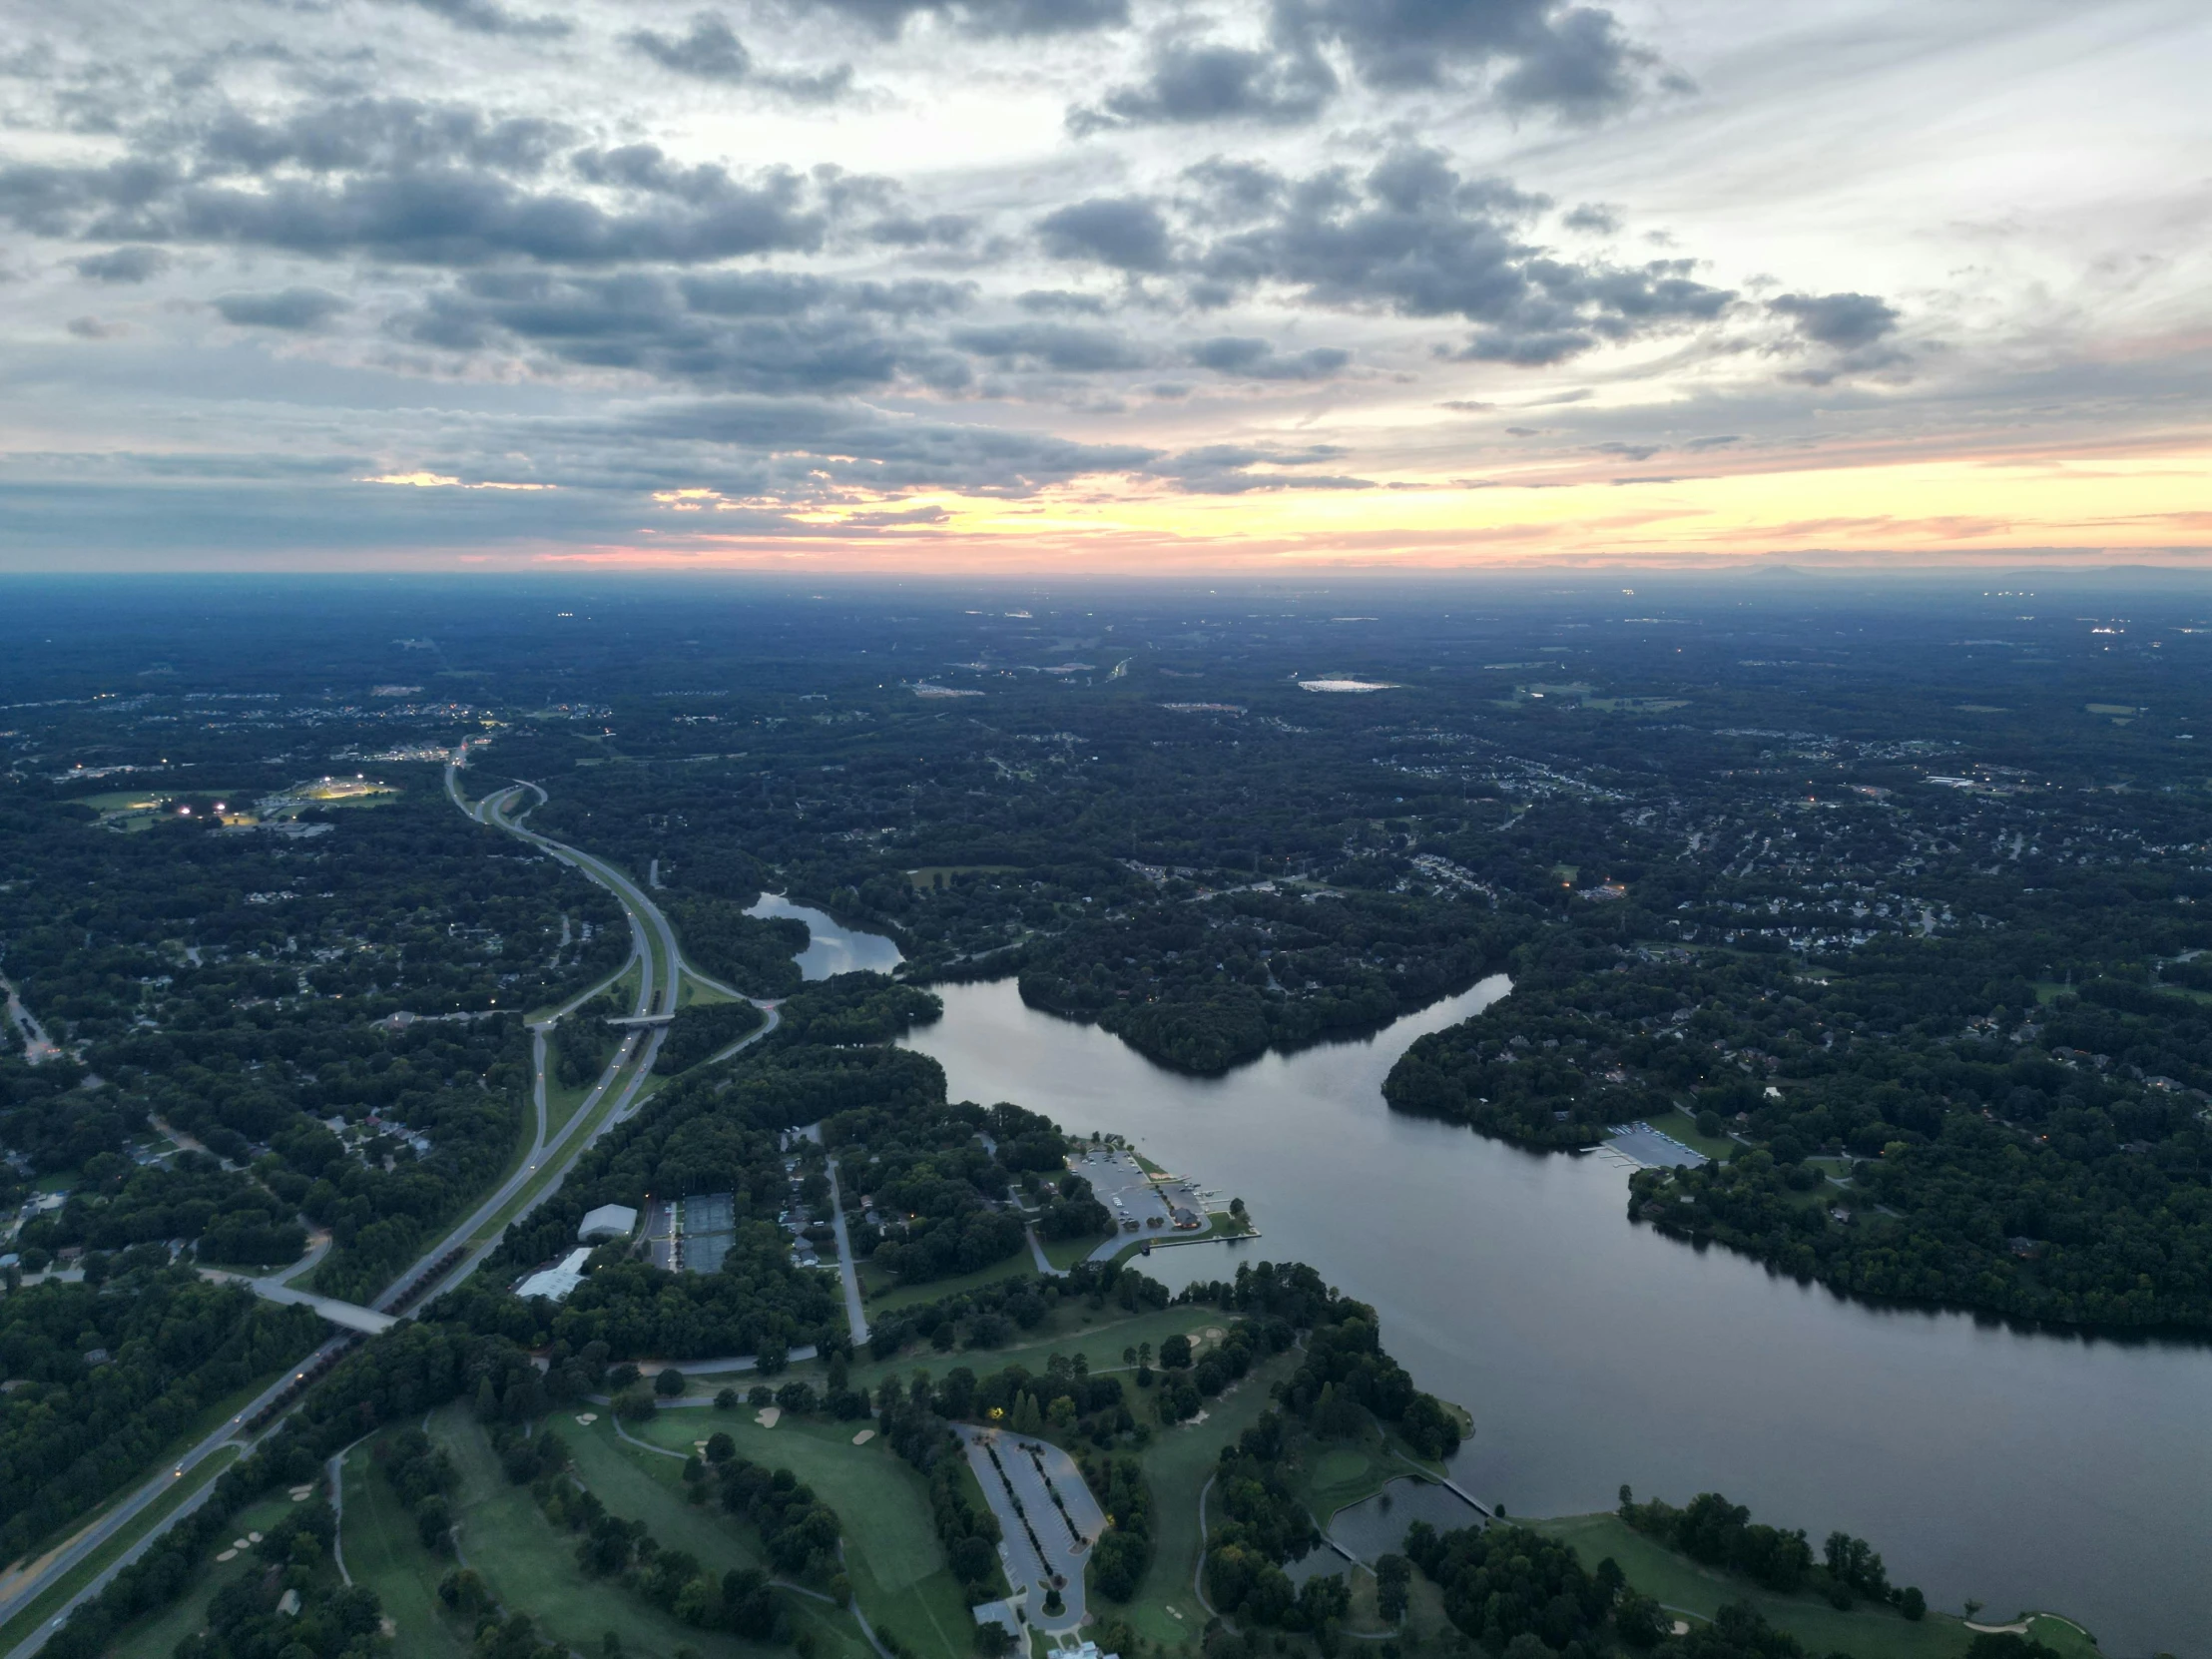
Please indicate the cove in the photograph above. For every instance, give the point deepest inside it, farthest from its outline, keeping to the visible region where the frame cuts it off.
(831, 949)
(2023, 1468)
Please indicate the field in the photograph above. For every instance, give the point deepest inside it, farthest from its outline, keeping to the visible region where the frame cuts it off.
(1865, 1632)
(891, 1551)
(529, 1564)
(378, 1540)
(884, 1296)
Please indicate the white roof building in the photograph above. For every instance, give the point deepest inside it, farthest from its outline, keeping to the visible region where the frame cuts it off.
(555, 1283)
(609, 1220)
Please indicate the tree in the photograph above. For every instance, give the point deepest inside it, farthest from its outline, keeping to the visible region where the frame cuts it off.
(1175, 1352)
(1392, 1575)
(669, 1384)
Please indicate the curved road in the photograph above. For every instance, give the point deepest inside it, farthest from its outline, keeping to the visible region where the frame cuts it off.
(545, 1166)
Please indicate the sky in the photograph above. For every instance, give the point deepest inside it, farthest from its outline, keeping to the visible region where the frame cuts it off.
(1143, 286)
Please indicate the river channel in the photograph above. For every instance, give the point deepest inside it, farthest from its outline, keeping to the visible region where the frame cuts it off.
(2025, 1469)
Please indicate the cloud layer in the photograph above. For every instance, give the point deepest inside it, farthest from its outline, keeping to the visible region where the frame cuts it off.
(782, 266)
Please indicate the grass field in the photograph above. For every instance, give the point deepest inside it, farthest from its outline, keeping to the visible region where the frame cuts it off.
(1065, 1253)
(1865, 1632)
(893, 1555)
(1177, 1465)
(884, 1296)
(157, 1636)
(1683, 1128)
(531, 1566)
(382, 1550)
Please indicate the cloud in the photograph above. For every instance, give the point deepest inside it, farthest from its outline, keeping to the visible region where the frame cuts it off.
(988, 18)
(1064, 347)
(1228, 469)
(1542, 56)
(1256, 360)
(483, 17)
(1596, 218)
(91, 328)
(376, 134)
(1414, 238)
(1846, 321)
(1201, 81)
(296, 308)
(441, 214)
(710, 51)
(755, 332)
(1128, 233)
(799, 447)
(121, 265)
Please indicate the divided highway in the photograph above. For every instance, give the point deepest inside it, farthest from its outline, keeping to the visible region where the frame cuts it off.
(661, 970)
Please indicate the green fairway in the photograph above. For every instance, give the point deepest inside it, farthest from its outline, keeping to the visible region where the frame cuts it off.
(530, 1565)
(891, 1551)
(1865, 1632)
(383, 1550)
(1177, 1465)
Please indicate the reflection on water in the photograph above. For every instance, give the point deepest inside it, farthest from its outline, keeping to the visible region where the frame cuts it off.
(832, 949)
(1376, 1525)
(2027, 1470)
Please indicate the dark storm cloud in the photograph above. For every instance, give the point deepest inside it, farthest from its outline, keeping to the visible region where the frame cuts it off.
(1192, 82)
(1594, 217)
(710, 51)
(483, 17)
(121, 265)
(1127, 233)
(1256, 360)
(1414, 237)
(1572, 62)
(1847, 321)
(1062, 347)
(989, 18)
(293, 308)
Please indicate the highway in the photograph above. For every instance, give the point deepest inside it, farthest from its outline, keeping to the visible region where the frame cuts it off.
(20, 1591)
(661, 970)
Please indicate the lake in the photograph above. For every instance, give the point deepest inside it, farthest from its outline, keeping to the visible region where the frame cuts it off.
(2028, 1470)
(832, 949)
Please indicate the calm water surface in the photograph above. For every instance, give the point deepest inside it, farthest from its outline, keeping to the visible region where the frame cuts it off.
(2027, 1470)
(832, 949)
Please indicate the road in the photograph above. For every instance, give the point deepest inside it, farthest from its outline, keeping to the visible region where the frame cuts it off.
(59, 1563)
(538, 1176)
(846, 1269)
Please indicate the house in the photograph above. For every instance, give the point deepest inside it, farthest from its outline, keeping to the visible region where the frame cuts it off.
(609, 1220)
